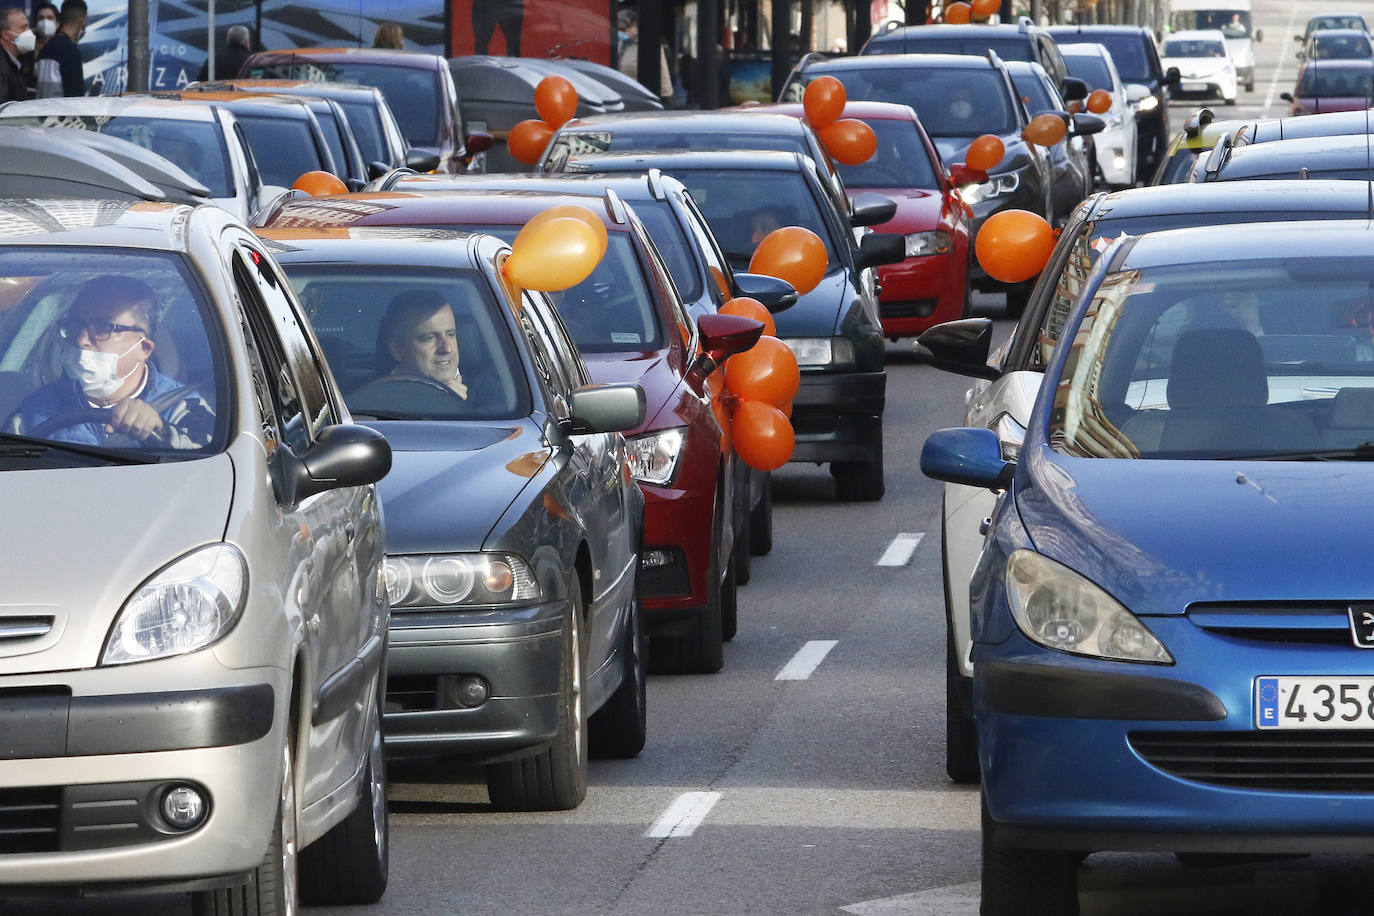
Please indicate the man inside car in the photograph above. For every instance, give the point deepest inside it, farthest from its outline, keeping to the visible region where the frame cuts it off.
(110, 394)
(420, 336)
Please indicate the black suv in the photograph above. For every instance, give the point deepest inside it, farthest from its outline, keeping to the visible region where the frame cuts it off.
(1022, 41)
(1136, 57)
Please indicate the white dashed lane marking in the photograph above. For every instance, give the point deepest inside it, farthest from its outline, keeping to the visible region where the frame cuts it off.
(806, 660)
(684, 815)
(899, 552)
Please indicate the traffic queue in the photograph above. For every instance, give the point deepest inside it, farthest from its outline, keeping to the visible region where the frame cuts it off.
(397, 458)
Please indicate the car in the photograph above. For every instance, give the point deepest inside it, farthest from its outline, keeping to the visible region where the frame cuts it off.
(1343, 156)
(1167, 621)
(40, 162)
(1346, 20)
(1331, 85)
(1022, 40)
(1116, 145)
(1205, 70)
(943, 89)
(1337, 44)
(204, 141)
(1007, 381)
(834, 330)
(516, 635)
(1232, 19)
(630, 326)
(1136, 56)
(1200, 134)
(418, 88)
(634, 95)
(203, 701)
(1071, 159)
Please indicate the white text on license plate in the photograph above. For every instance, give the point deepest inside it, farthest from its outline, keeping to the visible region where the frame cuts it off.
(1318, 702)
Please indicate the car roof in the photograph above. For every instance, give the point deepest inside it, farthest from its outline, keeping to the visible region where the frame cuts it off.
(1316, 153)
(139, 106)
(244, 102)
(86, 163)
(1326, 124)
(948, 30)
(382, 208)
(350, 92)
(1249, 196)
(389, 56)
(632, 186)
(854, 108)
(155, 225)
(1084, 49)
(767, 160)
(902, 61)
(1058, 30)
(1339, 63)
(384, 245)
(1246, 241)
(514, 79)
(673, 121)
(1324, 34)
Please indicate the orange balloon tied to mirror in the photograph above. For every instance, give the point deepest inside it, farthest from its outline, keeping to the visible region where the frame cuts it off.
(1014, 245)
(792, 253)
(762, 435)
(1099, 101)
(765, 372)
(985, 152)
(527, 140)
(556, 100)
(958, 13)
(983, 9)
(1045, 130)
(824, 101)
(553, 255)
(746, 307)
(849, 141)
(319, 184)
(572, 211)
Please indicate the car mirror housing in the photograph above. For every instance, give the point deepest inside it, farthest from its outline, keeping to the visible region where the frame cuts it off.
(960, 347)
(422, 160)
(376, 170)
(1259, 34)
(772, 293)
(1172, 76)
(1286, 96)
(343, 455)
(604, 409)
(869, 209)
(723, 336)
(879, 248)
(479, 141)
(1087, 124)
(1073, 89)
(1135, 92)
(966, 455)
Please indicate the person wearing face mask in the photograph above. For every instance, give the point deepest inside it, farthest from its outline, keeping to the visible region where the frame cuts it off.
(109, 393)
(59, 68)
(44, 25)
(17, 42)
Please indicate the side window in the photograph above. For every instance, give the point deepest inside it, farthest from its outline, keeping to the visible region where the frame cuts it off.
(1072, 277)
(254, 178)
(546, 362)
(662, 284)
(278, 401)
(567, 360)
(716, 265)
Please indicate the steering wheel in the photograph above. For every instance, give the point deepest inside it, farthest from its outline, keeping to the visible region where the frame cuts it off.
(425, 397)
(72, 418)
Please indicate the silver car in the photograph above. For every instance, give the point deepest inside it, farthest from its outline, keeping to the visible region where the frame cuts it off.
(193, 624)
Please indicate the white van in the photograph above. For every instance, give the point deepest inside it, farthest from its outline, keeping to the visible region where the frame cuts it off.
(1232, 17)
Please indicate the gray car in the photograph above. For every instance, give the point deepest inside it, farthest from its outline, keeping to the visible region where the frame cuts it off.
(194, 620)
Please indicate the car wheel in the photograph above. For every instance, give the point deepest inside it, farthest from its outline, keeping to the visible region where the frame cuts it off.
(618, 729)
(860, 481)
(271, 888)
(743, 568)
(729, 603)
(1017, 297)
(1020, 881)
(349, 864)
(761, 520)
(555, 779)
(961, 733)
(701, 649)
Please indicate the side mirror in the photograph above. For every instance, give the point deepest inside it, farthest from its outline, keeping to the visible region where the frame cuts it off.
(479, 141)
(344, 455)
(869, 209)
(967, 455)
(604, 409)
(376, 170)
(722, 336)
(1073, 89)
(1286, 96)
(773, 294)
(354, 184)
(1085, 124)
(960, 347)
(1135, 92)
(1172, 76)
(879, 248)
(1301, 55)
(422, 160)
(960, 175)
(1259, 34)
(1299, 39)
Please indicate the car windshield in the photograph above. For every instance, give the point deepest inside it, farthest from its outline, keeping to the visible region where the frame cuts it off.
(1091, 69)
(1238, 359)
(412, 92)
(1194, 47)
(1339, 47)
(1318, 23)
(957, 102)
(1232, 23)
(1034, 93)
(900, 161)
(367, 130)
(1128, 53)
(412, 343)
(86, 334)
(1336, 81)
(674, 135)
(196, 146)
(283, 147)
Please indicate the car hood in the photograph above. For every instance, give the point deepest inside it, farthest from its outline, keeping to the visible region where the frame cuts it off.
(954, 149)
(652, 370)
(818, 313)
(79, 541)
(1159, 534)
(918, 209)
(450, 482)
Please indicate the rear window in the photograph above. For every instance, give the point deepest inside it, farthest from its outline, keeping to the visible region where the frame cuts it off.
(413, 93)
(956, 102)
(672, 136)
(1129, 54)
(283, 147)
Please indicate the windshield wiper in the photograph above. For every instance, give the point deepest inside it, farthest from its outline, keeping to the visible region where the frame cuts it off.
(13, 445)
(1362, 452)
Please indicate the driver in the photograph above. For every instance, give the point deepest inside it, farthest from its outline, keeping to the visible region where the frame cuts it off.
(421, 336)
(106, 341)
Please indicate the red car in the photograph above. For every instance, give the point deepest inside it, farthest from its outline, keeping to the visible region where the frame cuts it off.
(932, 284)
(1331, 85)
(631, 326)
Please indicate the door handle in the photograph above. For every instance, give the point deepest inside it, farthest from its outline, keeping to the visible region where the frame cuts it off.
(350, 532)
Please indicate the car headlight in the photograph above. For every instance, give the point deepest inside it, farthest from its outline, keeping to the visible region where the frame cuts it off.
(1147, 104)
(1059, 609)
(998, 185)
(188, 605)
(654, 457)
(821, 351)
(458, 579)
(919, 244)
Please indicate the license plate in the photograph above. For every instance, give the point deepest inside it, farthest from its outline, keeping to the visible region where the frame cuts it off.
(1194, 87)
(1328, 702)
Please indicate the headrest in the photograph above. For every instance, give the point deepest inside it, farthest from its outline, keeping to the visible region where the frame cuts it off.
(1353, 408)
(1217, 367)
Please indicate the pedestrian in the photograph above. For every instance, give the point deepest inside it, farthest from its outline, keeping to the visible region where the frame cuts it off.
(59, 66)
(16, 39)
(44, 25)
(238, 47)
(389, 35)
(627, 22)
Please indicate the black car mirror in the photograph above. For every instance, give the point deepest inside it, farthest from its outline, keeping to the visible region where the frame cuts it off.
(879, 248)
(422, 160)
(1286, 96)
(604, 409)
(869, 209)
(343, 455)
(377, 169)
(1172, 76)
(960, 347)
(770, 292)
(1085, 124)
(1073, 89)
(1259, 34)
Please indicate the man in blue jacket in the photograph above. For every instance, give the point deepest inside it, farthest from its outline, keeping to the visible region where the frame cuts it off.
(59, 67)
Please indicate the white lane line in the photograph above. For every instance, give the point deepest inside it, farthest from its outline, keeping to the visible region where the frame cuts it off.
(899, 552)
(806, 660)
(1272, 92)
(684, 815)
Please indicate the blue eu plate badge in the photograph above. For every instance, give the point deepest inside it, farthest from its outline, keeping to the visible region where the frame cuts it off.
(1268, 700)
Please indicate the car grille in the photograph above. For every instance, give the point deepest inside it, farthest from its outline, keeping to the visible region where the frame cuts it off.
(30, 819)
(907, 308)
(25, 627)
(1287, 623)
(1282, 761)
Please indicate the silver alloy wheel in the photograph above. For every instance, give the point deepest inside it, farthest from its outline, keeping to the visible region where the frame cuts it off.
(376, 766)
(579, 724)
(290, 898)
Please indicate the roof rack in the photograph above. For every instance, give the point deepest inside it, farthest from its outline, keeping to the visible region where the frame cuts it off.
(68, 162)
(994, 59)
(1192, 127)
(890, 25)
(1220, 155)
(1024, 24)
(810, 57)
(616, 208)
(656, 184)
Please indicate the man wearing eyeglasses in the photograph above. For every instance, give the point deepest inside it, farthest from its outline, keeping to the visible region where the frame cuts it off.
(110, 394)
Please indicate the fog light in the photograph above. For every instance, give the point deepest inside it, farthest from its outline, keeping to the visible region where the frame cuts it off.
(651, 559)
(468, 691)
(1118, 161)
(184, 807)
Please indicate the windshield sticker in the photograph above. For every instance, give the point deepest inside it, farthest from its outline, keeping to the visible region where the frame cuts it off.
(624, 337)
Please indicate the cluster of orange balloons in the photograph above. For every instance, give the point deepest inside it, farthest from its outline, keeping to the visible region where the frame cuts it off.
(961, 13)
(1014, 245)
(556, 101)
(557, 249)
(762, 380)
(847, 140)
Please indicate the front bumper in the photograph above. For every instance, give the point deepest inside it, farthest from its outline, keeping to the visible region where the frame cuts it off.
(838, 416)
(1214, 86)
(920, 293)
(677, 522)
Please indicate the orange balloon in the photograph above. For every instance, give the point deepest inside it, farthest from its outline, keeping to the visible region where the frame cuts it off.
(1045, 130)
(751, 308)
(983, 9)
(985, 152)
(1099, 101)
(824, 101)
(722, 413)
(1075, 106)
(849, 141)
(527, 141)
(1014, 245)
(787, 410)
(765, 372)
(792, 253)
(319, 184)
(718, 276)
(556, 100)
(763, 437)
(572, 211)
(553, 255)
(958, 13)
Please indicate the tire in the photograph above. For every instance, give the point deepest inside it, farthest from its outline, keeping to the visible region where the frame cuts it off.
(761, 521)
(618, 729)
(860, 481)
(729, 603)
(555, 779)
(961, 733)
(272, 888)
(743, 567)
(1027, 882)
(700, 650)
(348, 865)
(1017, 298)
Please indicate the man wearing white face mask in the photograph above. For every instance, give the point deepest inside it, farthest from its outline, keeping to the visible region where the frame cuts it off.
(17, 42)
(110, 393)
(59, 68)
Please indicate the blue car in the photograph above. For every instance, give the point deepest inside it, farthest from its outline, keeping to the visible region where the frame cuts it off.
(1173, 612)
